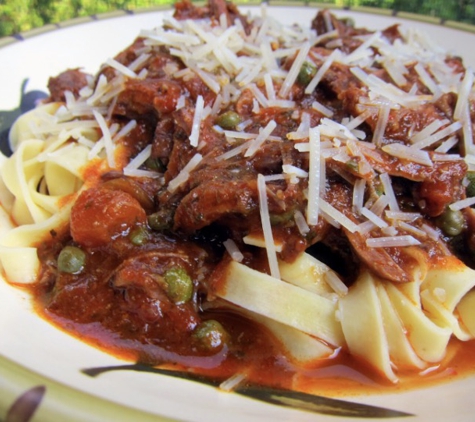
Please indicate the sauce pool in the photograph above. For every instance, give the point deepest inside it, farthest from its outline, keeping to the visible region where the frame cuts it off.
(257, 355)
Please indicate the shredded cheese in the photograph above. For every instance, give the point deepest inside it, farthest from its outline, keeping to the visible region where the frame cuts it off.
(388, 190)
(383, 117)
(321, 71)
(301, 223)
(370, 215)
(463, 93)
(106, 136)
(338, 216)
(428, 130)
(408, 153)
(260, 139)
(184, 174)
(358, 194)
(266, 227)
(464, 203)
(195, 127)
(233, 250)
(141, 157)
(392, 241)
(294, 70)
(313, 204)
(437, 136)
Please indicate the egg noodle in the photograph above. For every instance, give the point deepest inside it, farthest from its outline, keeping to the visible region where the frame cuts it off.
(374, 143)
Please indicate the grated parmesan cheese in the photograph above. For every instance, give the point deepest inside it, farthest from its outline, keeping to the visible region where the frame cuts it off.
(408, 153)
(233, 250)
(266, 227)
(388, 190)
(467, 130)
(314, 177)
(294, 70)
(363, 50)
(370, 215)
(358, 194)
(322, 109)
(430, 231)
(294, 171)
(383, 118)
(107, 138)
(121, 68)
(141, 157)
(260, 138)
(338, 216)
(184, 174)
(195, 127)
(437, 136)
(392, 241)
(463, 93)
(411, 229)
(428, 130)
(301, 223)
(464, 203)
(234, 381)
(321, 71)
(427, 80)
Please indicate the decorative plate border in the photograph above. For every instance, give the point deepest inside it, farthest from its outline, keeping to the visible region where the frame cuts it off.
(5, 41)
(27, 396)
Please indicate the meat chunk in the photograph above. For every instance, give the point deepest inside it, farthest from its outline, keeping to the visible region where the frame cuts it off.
(184, 9)
(100, 215)
(72, 80)
(143, 281)
(152, 97)
(326, 22)
(210, 201)
(441, 188)
(379, 260)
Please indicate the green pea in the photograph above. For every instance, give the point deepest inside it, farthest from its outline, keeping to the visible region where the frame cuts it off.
(211, 335)
(228, 120)
(378, 189)
(451, 222)
(179, 285)
(160, 220)
(278, 219)
(471, 184)
(71, 260)
(155, 164)
(352, 164)
(139, 236)
(306, 73)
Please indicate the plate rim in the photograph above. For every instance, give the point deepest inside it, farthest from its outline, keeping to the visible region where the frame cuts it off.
(24, 35)
(50, 400)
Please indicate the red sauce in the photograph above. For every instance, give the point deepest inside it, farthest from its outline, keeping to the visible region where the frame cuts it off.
(253, 351)
(118, 303)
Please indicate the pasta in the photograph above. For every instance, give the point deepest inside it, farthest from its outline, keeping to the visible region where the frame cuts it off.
(314, 183)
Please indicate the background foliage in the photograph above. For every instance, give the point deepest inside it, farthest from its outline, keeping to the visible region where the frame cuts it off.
(22, 15)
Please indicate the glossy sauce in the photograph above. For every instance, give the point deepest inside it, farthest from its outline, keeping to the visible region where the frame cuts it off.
(255, 353)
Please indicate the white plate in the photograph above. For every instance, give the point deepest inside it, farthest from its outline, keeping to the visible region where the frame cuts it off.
(35, 354)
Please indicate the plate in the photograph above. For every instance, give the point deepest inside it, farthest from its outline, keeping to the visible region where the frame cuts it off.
(43, 371)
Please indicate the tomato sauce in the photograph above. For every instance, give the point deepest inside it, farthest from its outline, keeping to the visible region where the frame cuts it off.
(256, 354)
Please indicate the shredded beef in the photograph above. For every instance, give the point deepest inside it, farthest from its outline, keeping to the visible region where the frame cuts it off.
(72, 80)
